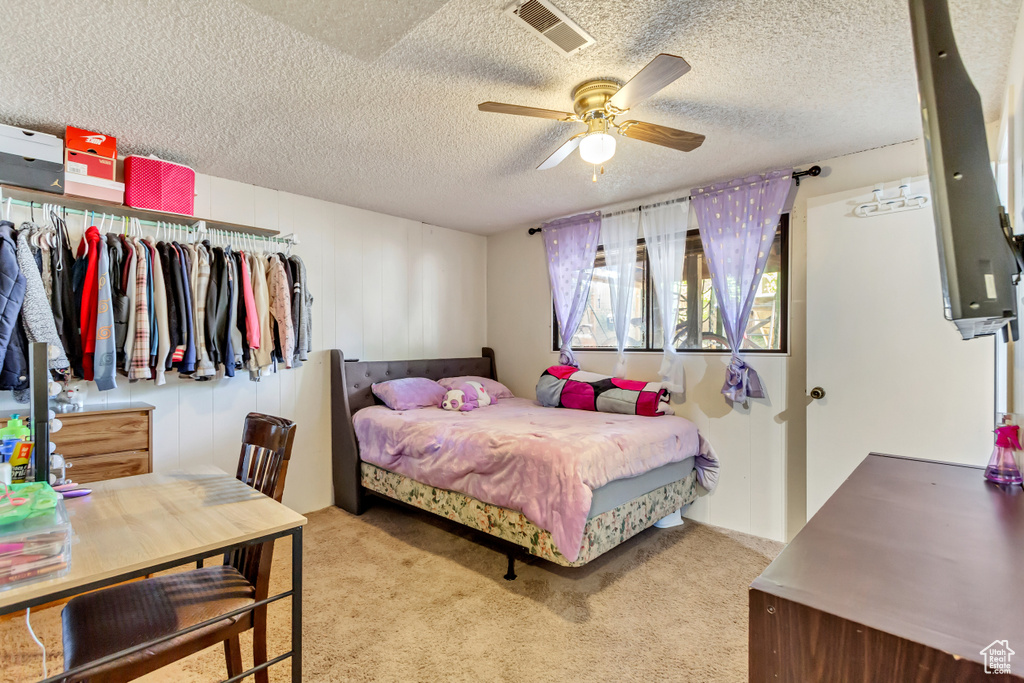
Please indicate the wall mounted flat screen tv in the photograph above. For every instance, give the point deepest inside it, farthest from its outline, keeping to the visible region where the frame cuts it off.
(976, 257)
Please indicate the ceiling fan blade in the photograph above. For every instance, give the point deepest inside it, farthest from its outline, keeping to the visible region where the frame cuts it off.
(662, 70)
(501, 108)
(559, 155)
(682, 140)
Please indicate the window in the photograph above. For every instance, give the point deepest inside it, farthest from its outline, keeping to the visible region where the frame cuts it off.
(699, 326)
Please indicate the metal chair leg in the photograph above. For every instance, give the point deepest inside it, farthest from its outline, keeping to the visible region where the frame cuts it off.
(511, 574)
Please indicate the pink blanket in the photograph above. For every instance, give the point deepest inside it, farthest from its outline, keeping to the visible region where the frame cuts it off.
(543, 462)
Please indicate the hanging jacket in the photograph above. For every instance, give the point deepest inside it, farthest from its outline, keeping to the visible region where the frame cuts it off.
(79, 269)
(118, 296)
(160, 316)
(88, 250)
(201, 281)
(46, 271)
(224, 313)
(62, 264)
(139, 367)
(187, 364)
(124, 352)
(14, 374)
(36, 314)
(238, 342)
(13, 353)
(215, 305)
(105, 358)
(167, 261)
(281, 308)
(305, 335)
(261, 357)
(181, 333)
(252, 318)
(147, 248)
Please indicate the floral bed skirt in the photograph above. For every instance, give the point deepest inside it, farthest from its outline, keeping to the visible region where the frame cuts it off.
(602, 533)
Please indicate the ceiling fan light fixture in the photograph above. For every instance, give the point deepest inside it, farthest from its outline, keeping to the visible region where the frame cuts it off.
(597, 148)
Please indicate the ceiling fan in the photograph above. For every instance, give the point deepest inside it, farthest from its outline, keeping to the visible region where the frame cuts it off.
(597, 103)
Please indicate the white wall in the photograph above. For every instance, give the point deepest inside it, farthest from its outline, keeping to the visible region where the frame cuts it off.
(383, 288)
(762, 447)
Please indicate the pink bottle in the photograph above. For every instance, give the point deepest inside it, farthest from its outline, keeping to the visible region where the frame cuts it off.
(1002, 468)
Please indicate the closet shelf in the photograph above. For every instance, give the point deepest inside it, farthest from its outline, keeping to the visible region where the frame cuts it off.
(109, 208)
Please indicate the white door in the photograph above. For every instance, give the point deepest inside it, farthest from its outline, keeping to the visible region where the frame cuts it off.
(896, 375)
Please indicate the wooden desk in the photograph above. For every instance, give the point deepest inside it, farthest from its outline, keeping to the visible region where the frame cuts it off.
(134, 526)
(908, 571)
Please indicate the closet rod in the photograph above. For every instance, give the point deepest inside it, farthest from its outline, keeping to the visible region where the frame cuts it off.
(797, 175)
(199, 226)
(71, 204)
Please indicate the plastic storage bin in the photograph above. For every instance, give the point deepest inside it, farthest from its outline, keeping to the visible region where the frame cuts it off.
(152, 183)
(35, 538)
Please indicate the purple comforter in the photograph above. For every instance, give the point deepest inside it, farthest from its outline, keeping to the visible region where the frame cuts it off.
(543, 462)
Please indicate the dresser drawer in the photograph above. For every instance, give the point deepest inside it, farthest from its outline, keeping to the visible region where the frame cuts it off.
(87, 468)
(91, 434)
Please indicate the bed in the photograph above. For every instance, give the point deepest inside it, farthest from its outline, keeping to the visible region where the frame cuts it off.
(375, 454)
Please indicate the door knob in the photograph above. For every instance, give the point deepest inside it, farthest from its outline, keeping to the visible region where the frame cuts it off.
(817, 392)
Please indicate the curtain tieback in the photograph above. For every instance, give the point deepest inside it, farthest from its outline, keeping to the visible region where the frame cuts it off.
(566, 357)
(741, 381)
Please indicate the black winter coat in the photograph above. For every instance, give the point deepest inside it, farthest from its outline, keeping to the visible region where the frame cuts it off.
(13, 343)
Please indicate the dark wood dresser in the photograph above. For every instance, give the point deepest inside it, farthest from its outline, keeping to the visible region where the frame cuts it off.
(908, 573)
(107, 442)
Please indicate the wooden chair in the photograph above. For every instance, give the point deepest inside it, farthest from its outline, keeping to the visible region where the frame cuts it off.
(107, 621)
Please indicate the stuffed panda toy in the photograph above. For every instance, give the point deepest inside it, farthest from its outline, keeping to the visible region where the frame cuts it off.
(469, 396)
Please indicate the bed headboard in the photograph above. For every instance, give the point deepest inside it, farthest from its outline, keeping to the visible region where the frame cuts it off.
(350, 391)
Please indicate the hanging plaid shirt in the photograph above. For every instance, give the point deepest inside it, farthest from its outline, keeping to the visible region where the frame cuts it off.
(140, 348)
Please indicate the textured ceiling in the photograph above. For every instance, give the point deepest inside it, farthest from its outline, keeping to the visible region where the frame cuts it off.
(277, 97)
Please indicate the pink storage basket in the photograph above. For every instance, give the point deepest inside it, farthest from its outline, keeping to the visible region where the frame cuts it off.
(152, 183)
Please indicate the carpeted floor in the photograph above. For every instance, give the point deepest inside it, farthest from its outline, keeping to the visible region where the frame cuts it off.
(394, 595)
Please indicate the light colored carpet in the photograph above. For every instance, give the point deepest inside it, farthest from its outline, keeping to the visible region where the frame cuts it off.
(395, 595)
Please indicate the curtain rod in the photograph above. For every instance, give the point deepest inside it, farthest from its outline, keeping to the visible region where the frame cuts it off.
(797, 175)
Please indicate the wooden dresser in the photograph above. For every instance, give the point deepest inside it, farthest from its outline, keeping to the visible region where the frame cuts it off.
(910, 572)
(106, 442)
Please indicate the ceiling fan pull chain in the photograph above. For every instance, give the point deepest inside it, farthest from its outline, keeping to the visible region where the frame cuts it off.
(595, 173)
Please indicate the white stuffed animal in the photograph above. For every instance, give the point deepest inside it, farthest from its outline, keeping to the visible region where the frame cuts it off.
(469, 396)
(74, 395)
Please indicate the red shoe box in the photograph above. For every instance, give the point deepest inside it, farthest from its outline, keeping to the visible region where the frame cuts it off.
(94, 143)
(92, 165)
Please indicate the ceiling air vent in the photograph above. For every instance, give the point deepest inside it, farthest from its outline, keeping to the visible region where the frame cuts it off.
(548, 23)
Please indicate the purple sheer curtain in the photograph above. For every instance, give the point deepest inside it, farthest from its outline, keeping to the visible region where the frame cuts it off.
(571, 244)
(737, 222)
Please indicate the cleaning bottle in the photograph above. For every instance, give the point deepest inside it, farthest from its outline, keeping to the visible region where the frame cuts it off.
(13, 432)
(1002, 468)
(21, 461)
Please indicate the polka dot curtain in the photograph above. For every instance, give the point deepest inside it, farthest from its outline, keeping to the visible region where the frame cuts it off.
(571, 245)
(737, 222)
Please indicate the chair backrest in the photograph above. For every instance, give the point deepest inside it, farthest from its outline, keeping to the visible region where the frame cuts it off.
(263, 465)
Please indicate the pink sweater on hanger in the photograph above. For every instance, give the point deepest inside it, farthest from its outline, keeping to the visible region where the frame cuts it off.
(252, 321)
